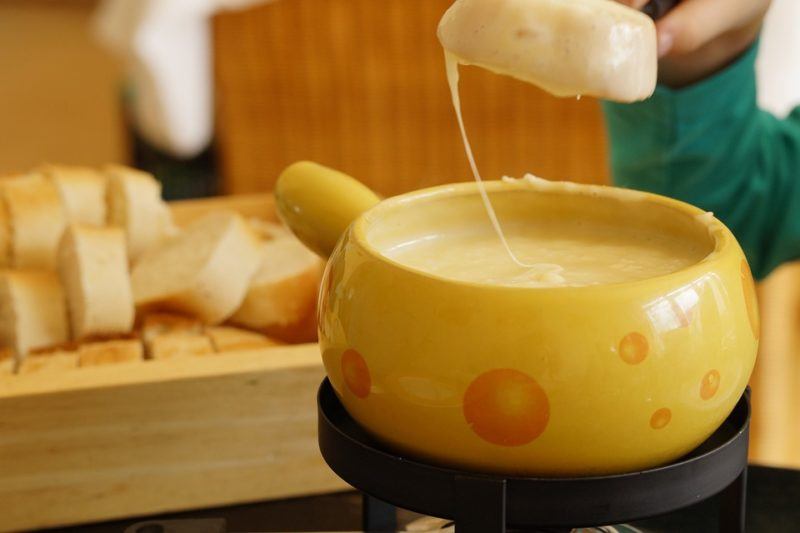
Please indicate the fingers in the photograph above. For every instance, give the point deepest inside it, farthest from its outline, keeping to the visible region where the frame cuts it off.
(694, 23)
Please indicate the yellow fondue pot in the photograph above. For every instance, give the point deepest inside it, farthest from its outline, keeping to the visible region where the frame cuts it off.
(555, 381)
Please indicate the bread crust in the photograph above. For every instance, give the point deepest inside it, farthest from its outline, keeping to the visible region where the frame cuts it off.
(49, 363)
(283, 306)
(181, 344)
(110, 352)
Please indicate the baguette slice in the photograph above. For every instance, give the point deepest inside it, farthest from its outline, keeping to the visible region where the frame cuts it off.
(135, 205)
(169, 345)
(49, 362)
(36, 220)
(5, 221)
(282, 297)
(7, 362)
(156, 324)
(93, 266)
(203, 272)
(33, 311)
(82, 191)
(110, 352)
(227, 339)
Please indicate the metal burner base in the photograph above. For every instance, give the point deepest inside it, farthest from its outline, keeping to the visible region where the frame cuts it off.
(480, 503)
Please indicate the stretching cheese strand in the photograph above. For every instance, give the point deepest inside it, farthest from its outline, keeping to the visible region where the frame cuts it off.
(452, 78)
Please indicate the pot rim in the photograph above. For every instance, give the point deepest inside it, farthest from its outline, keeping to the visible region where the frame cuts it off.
(723, 239)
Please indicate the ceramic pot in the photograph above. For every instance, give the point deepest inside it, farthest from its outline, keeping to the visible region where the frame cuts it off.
(555, 381)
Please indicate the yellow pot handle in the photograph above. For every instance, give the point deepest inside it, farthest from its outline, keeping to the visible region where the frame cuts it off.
(319, 203)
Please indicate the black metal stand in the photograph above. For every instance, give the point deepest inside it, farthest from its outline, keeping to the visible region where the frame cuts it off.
(481, 503)
(733, 503)
(379, 515)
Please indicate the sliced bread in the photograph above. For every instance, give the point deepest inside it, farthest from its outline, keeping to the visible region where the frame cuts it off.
(169, 345)
(156, 324)
(36, 220)
(49, 362)
(93, 266)
(135, 205)
(8, 363)
(110, 352)
(203, 272)
(33, 311)
(227, 339)
(282, 297)
(82, 191)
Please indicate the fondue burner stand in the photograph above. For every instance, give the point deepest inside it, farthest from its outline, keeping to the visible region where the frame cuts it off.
(480, 503)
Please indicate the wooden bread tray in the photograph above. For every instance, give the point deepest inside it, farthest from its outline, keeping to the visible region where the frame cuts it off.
(148, 437)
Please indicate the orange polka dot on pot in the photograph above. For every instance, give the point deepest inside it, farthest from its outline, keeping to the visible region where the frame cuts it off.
(506, 407)
(356, 373)
(633, 348)
(709, 385)
(661, 418)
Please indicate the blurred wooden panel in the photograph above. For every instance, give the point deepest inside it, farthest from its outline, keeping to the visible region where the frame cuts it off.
(360, 85)
(59, 90)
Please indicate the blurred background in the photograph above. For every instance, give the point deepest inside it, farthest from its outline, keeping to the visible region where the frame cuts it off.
(218, 97)
(355, 84)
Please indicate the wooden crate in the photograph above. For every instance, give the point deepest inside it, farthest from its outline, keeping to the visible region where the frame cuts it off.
(154, 436)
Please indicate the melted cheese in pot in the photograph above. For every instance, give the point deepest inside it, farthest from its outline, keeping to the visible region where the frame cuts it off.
(564, 254)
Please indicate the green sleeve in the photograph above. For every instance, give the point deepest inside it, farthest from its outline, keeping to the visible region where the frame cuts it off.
(710, 145)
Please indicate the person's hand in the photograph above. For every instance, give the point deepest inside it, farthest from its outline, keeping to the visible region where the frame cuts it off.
(700, 37)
